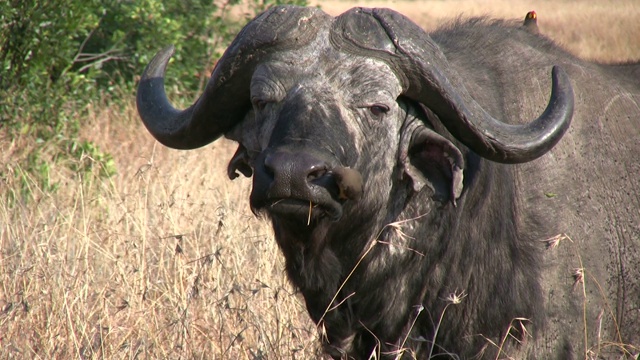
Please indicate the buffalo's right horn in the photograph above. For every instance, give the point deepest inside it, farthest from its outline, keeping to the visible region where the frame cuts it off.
(226, 98)
(427, 78)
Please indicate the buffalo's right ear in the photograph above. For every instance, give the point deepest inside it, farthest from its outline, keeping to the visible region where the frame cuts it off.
(239, 162)
(430, 159)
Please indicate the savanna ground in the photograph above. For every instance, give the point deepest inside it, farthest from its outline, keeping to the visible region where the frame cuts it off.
(164, 259)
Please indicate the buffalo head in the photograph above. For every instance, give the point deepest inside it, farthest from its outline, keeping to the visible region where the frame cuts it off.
(320, 104)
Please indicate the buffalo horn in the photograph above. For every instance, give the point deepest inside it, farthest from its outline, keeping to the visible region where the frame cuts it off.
(226, 98)
(428, 79)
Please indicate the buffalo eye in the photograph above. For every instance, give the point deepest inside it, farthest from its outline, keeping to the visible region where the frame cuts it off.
(378, 110)
(260, 104)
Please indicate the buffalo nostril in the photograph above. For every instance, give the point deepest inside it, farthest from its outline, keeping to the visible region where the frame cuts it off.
(315, 174)
(292, 167)
(269, 171)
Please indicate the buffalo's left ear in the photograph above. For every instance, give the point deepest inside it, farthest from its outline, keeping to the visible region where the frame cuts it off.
(239, 162)
(430, 159)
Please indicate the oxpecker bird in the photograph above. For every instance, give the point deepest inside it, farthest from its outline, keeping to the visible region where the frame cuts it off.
(531, 22)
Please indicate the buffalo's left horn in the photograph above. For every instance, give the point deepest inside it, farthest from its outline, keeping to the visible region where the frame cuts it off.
(226, 98)
(428, 79)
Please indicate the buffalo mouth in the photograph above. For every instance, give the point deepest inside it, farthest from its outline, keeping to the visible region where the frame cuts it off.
(299, 209)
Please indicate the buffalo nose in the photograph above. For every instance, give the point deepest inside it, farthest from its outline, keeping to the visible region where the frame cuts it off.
(288, 182)
(294, 170)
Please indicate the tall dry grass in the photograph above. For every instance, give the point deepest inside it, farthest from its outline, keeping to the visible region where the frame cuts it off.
(165, 259)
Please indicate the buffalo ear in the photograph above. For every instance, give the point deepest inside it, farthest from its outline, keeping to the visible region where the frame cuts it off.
(239, 162)
(430, 159)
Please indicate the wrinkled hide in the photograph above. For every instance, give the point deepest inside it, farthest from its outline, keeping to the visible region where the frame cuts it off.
(411, 219)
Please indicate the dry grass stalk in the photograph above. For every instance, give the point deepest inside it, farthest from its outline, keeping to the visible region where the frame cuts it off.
(553, 242)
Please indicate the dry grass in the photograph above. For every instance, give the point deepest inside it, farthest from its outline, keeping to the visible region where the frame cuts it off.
(165, 260)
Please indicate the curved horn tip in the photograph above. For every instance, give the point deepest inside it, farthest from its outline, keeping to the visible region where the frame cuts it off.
(158, 65)
(561, 84)
(552, 124)
(523, 143)
(560, 78)
(160, 118)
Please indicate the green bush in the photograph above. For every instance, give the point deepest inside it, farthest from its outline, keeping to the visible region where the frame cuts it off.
(58, 56)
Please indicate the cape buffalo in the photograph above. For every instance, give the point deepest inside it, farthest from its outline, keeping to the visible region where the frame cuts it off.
(396, 167)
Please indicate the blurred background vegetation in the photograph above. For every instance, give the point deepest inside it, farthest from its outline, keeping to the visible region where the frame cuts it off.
(58, 57)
